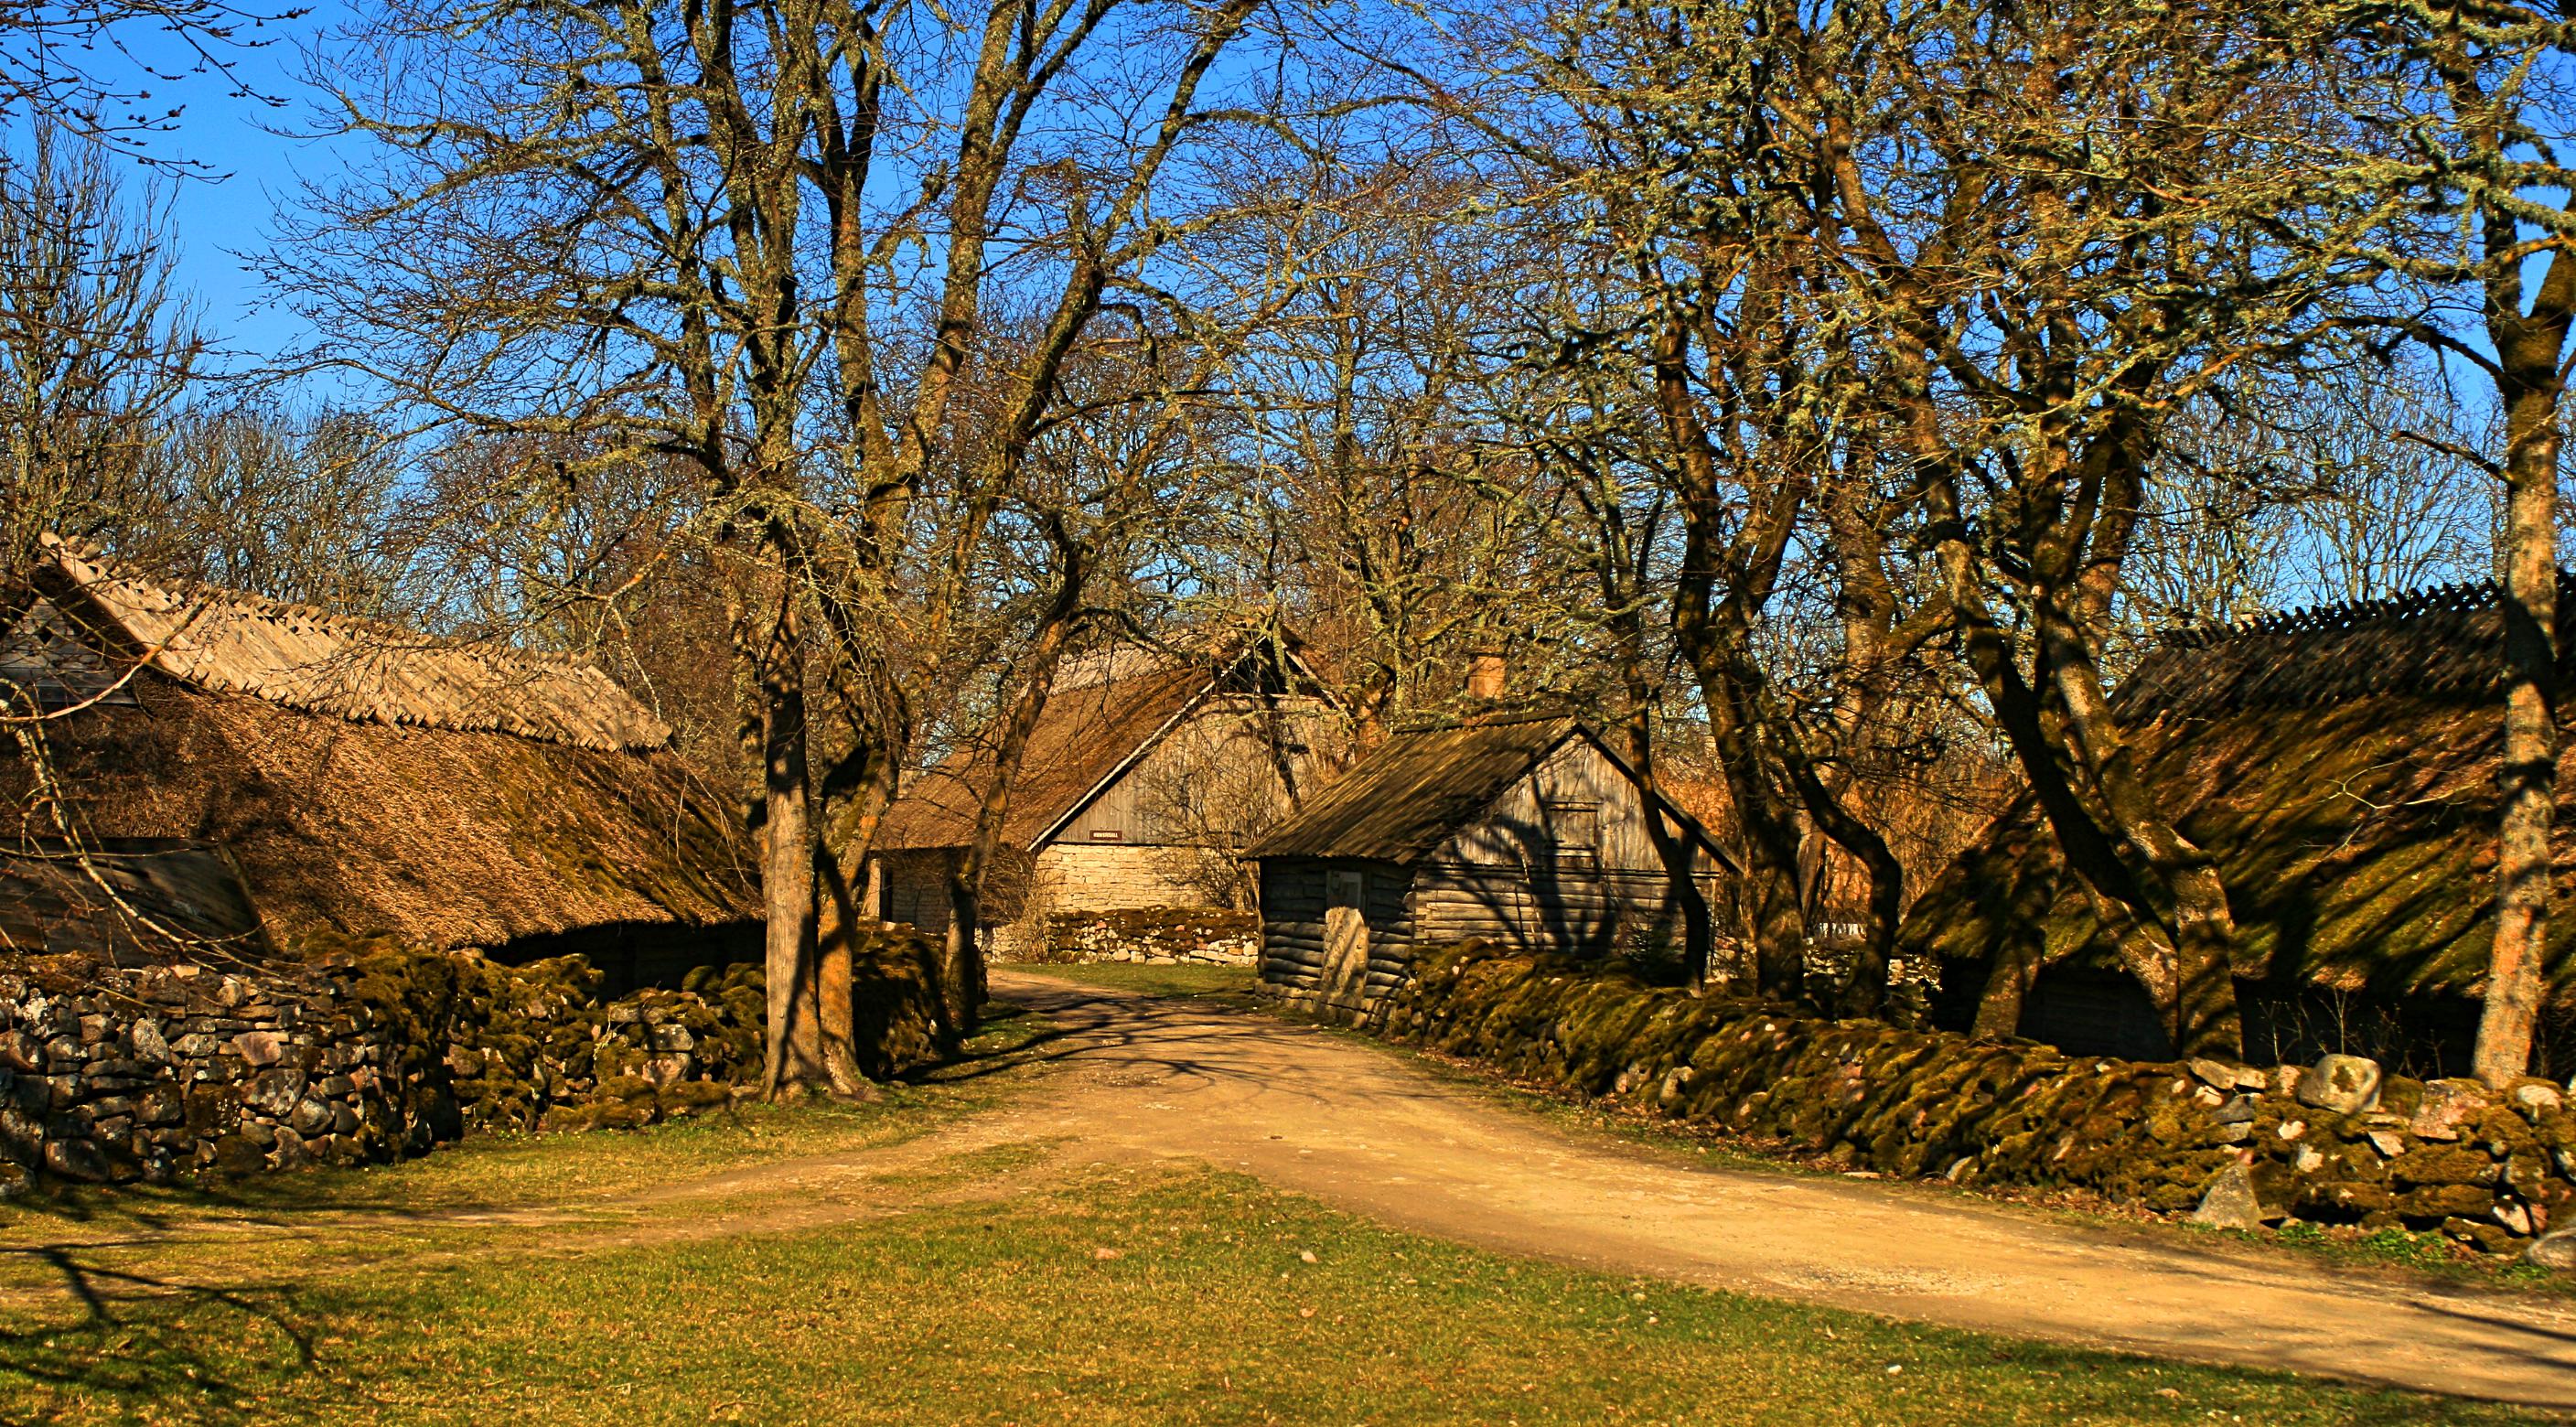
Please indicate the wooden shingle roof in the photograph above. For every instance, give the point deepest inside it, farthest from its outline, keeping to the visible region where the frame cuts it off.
(227, 642)
(1405, 799)
(1084, 735)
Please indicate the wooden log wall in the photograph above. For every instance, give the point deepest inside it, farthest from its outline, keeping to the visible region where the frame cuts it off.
(1292, 923)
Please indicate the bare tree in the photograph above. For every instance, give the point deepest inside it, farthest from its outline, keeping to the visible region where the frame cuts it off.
(76, 69)
(2475, 97)
(763, 240)
(97, 346)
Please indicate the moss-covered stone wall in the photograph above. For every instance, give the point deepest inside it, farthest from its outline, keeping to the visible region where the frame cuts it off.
(2327, 1144)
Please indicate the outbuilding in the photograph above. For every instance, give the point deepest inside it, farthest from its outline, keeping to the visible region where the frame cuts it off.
(2340, 766)
(241, 776)
(1528, 831)
(1147, 774)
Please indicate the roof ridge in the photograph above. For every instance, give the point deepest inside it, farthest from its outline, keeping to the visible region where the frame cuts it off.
(364, 670)
(2466, 595)
(112, 568)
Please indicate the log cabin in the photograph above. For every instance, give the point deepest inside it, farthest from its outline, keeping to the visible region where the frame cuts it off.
(1148, 772)
(1524, 830)
(2340, 765)
(240, 776)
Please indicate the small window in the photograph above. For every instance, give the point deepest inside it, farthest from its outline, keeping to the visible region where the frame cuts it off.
(1574, 830)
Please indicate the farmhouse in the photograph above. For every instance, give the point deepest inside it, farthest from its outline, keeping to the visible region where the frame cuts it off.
(1528, 831)
(262, 776)
(1145, 777)
(2340, 764)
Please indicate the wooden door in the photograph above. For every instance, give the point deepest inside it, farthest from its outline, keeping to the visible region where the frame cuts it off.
(1346, 937)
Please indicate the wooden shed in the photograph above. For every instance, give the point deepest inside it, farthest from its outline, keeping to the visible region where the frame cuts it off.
(1527, 831)
(266, 775)
(1146, 776)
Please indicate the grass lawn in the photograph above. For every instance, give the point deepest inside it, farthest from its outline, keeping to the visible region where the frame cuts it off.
(1217, 983)
(979, 1288)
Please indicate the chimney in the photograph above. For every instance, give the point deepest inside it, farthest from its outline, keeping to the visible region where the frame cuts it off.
(1488, 672)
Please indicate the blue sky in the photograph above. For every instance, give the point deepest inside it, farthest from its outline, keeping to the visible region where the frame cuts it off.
(215, 219)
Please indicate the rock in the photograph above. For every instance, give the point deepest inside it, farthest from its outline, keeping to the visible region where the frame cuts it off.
(2230, 1202)
(311, 1117)
(1669, 1094)
(2448, 1104)
(2389, 1143)
(2340, 1084)
(147, 1042)
(2515, 1219)
(2442, 1164)
(2217, 1074)
(2535, 1098)
(2239, 1111)
(77, 1159)
(2487, 1238)
(2284, 1079)
(275, 1092)
(258, 1047)
(20, 1050)
(2553, 1250)
(2435, 1201)
(163, 1104)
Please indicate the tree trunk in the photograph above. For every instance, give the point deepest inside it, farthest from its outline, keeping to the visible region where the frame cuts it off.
(787, 861)
(1674, 848)
(1776, 916)
(2530, 776)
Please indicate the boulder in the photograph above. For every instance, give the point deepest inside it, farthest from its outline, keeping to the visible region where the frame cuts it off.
(2341, 1084)
(258, 1047)
(2553, 1250)
(2231, 1203)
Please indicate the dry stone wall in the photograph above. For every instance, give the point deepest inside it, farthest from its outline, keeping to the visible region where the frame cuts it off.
(370, 1053)
(1164, 935)
(2241, 1146)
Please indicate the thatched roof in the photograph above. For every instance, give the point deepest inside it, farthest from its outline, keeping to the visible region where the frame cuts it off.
(364, 780)
(355, 669)
(2339, 763)
(1105, 711)
(441, 837)
(131, 902)
(1423, 785)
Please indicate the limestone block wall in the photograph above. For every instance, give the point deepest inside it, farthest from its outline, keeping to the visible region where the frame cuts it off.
(1206, 936)
(1103, 877)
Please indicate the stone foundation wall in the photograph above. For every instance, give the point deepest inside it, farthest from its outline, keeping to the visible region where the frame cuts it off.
(1202, 935)
(369, 1054)
(2336, 1142)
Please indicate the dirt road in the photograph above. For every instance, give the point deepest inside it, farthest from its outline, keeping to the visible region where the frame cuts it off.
(1365, 1130)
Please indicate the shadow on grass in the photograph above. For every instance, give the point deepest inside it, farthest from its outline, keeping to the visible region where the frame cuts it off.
(202, 1350)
